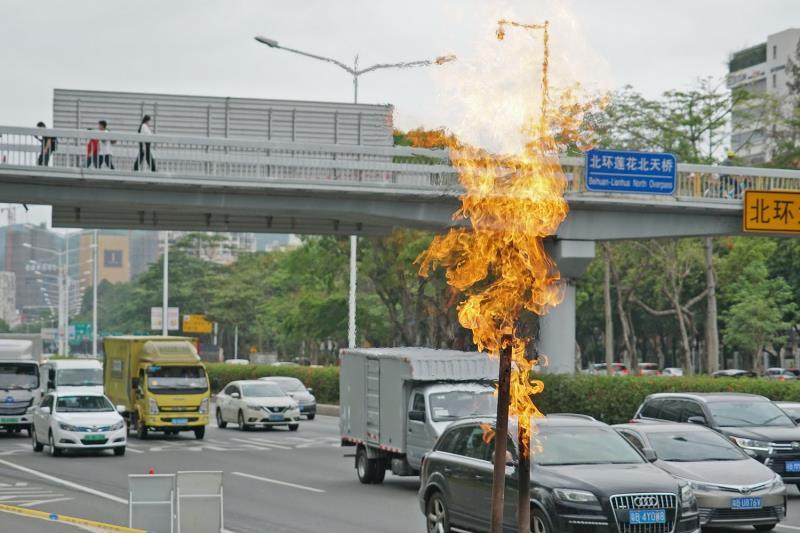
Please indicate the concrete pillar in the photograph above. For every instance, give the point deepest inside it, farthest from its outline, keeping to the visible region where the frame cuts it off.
(557, 328)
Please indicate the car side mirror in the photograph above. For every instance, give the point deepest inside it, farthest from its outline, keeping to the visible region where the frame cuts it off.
(699, 420)
(650, 455)
(51, 385)
(236, 395)
(418, 416)
(45, 410)
(121, 409)
(135, 383)
(309, 389)
(51, 374)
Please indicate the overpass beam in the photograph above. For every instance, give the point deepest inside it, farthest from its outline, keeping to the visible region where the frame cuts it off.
(557, 328)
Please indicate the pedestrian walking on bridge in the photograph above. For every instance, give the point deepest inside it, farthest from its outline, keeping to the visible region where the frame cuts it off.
(145, 153)
(105, 147)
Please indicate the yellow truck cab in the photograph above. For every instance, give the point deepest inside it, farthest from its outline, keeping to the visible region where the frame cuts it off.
(161, 382)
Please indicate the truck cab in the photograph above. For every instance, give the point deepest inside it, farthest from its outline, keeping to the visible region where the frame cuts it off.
(160, 381)
(63, 375)
(20, 384)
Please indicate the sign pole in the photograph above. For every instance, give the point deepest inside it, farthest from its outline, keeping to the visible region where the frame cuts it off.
(524, 480)
(501, 436)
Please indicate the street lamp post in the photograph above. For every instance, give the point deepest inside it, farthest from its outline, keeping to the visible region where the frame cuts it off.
(355, 72)
(165, 287)
(94, 294)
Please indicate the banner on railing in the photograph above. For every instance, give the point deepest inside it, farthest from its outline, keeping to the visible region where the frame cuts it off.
(771, 211)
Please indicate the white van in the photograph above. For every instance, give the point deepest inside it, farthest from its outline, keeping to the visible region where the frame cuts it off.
(20, 386)
(64, 374)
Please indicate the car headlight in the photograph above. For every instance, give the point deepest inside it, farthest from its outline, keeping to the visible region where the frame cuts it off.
(750, 444)
(688, 499)
(574, 496)
(118, 425)
(203, 406)
(777, 482)
(68, 427)
(153, 406)
(253, 406)
(697, 485)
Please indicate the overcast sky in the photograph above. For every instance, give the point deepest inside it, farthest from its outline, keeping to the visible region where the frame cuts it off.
(207, 48)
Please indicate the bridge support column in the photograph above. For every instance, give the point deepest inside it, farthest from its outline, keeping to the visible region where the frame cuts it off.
(557, 328)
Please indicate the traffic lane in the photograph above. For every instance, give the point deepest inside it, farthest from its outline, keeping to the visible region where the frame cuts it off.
(310, 458)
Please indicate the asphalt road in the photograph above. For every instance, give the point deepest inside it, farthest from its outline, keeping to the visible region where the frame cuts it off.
(274, 481)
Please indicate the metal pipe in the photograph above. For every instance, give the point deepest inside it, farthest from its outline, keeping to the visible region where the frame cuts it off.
(165, 287)
(94, 294)
(524, 480)
(501, 436)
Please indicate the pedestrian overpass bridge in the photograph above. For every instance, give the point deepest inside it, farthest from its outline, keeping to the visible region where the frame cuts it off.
(232, 185)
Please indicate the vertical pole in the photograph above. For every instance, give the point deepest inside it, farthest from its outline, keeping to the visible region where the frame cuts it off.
(61, 329)
(524, 480)
(94, 294)
(351, 303)
(501, 437)
(66, 299)
(165, 287)
(236, 342)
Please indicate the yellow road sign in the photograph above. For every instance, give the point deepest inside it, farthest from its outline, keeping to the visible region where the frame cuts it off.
(196, 324)
(771, 211)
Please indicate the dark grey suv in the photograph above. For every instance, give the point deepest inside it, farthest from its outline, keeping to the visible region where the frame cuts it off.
(585, 479)
(753, 422)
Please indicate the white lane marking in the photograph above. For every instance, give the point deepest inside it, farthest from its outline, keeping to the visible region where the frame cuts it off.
(40, 502)
(134, 450)
(789, 527)
(277, 482)
(266, 442)
(64, 482)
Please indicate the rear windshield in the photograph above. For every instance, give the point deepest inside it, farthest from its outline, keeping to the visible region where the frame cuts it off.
(683, 446)
(79, 377)
(83, 404)
(740, 414)
(18, 376)
(582, 446)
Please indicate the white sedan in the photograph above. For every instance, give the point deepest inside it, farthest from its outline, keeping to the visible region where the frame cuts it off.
(256, 403)
(84, 420)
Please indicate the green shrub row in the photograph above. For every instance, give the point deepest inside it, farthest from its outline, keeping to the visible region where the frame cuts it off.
(324, 381)
(615, 399)
(611, 399)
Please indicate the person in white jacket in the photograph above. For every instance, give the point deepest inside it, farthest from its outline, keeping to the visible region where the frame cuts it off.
(144, 148)
(105, 147)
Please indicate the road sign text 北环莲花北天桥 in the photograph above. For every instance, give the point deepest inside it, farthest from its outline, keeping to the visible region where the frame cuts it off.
(630, 172)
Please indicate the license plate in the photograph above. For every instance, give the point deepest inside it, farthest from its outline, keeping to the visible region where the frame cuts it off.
(9, 420)
(94, 437)
(650, 516)
(276, 418)
(792, 466)
(745, 503)
(180, 420)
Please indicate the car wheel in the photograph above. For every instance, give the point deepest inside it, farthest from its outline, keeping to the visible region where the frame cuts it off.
(55, 451)
(119, 451)
(242, 425)
(765, 527)
(294, 427)
(311, 417)
(199, 433)
(37, 446)
(437, 517)
(539, 523)
(221, 424)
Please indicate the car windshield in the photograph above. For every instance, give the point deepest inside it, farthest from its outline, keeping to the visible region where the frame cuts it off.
(261, 390)
(749, 413)
(290, 385)
(582, 446)
(684, 446)
(176, 379)
(791, 410)
(19, 376)
(83, 404)
(452, 405)
(79, 377)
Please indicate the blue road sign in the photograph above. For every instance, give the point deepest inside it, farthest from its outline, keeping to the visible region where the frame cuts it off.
(631, 172)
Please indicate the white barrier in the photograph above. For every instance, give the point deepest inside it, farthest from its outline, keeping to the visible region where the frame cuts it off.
(151, 502)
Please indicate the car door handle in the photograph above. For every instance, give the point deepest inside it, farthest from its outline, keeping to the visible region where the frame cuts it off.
(410, 430)
(447, 469)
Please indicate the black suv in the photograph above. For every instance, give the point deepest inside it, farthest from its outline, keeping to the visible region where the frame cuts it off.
(585, 478)
(753, 422)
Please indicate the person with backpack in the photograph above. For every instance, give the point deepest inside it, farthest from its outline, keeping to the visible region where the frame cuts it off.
(105, 147)
(49, 145)
(144, 147)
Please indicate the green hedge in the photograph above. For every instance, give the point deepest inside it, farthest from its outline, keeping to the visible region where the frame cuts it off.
(608, 398)
(324, 381)
(615, 399)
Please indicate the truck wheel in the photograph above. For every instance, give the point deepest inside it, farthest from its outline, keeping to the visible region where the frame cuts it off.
(242, 424)
(221, 424)
(380, 471)
(199, 433)
(311, 417)
(364, 469)
(141, 429)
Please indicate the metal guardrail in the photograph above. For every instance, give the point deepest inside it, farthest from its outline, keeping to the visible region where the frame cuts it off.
(397, 167)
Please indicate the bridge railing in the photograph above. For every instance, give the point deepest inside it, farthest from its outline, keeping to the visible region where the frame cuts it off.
(239, 159)
(221, 160)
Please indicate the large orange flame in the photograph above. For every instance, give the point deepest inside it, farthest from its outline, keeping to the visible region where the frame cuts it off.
(497, 258)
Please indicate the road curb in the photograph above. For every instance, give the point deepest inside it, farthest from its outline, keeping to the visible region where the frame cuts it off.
(54, 517)
(327, 410)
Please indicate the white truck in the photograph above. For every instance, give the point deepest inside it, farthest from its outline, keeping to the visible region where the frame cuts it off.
(395, 402)
(20, 384)
(63, 375)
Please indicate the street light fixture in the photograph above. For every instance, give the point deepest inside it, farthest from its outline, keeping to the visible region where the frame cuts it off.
(356, 72)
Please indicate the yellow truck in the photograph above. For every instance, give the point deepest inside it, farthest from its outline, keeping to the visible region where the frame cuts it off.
(160, 381)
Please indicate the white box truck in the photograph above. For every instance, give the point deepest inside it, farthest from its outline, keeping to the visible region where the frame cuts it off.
(395, 402)
(20, 384)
